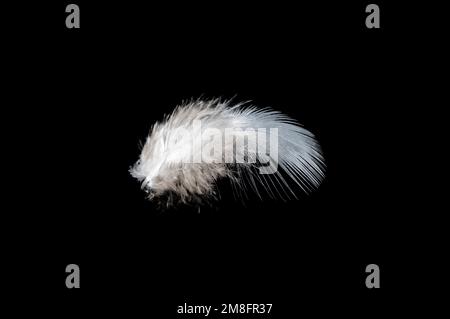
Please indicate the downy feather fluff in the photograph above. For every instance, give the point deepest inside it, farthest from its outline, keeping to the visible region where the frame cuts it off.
(169, 174)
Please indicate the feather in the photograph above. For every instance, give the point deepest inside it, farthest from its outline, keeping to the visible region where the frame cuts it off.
(203, 141)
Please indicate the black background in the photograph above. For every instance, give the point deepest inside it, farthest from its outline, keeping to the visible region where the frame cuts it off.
(91, 96)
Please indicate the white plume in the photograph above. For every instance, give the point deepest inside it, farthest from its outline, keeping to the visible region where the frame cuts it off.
(204, 141)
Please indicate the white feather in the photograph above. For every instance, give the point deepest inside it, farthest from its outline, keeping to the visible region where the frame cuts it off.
(169, 165)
